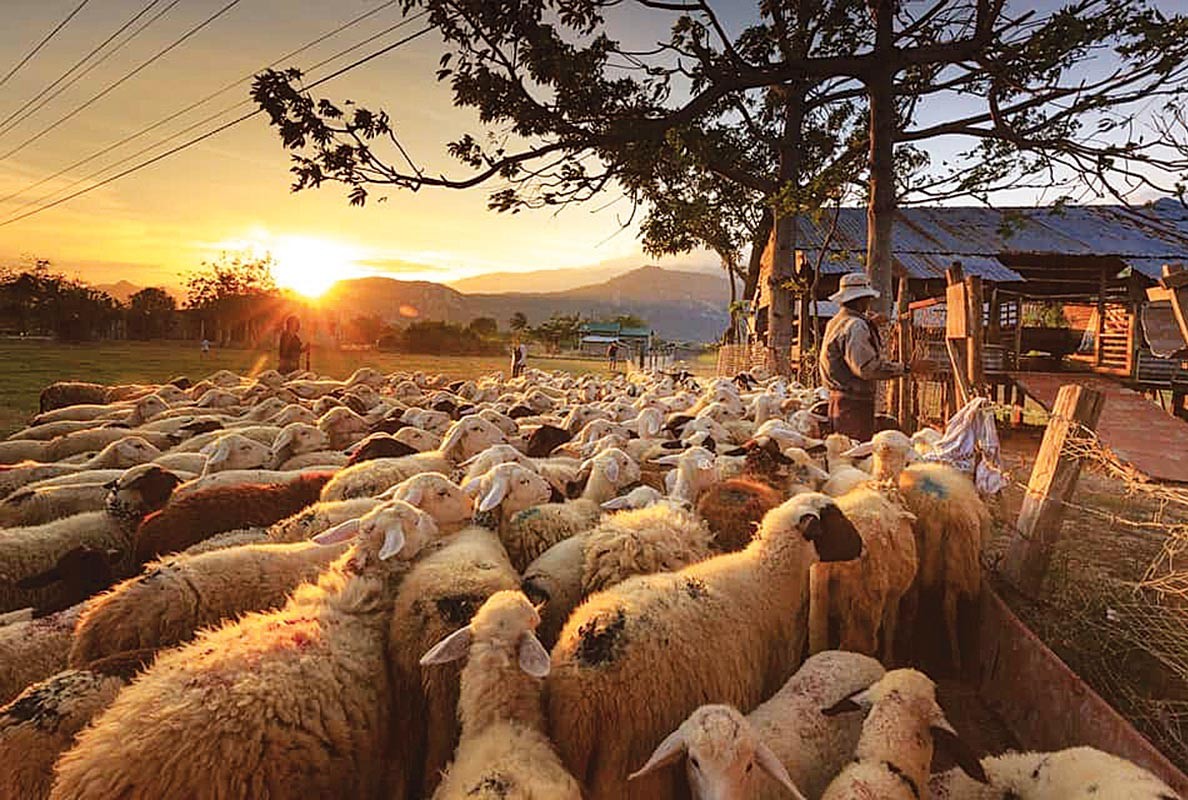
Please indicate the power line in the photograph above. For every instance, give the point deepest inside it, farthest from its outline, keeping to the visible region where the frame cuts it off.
(225, 126)
(43, 42)
(225, 89)
(128, 76)
(80, 62)
(7, 126)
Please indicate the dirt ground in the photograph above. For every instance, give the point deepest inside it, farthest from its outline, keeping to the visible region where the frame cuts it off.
(1129, 644)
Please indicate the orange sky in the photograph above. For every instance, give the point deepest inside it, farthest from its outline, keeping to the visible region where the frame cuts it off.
(233, 190)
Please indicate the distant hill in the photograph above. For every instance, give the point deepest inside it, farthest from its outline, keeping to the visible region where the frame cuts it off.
(537, 281)
(678, 305)
(122, 290)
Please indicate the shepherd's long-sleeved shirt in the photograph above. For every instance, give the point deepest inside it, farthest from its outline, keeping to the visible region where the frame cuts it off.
(850, 359)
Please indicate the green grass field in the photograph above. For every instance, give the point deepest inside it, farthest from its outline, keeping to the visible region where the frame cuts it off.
(26, 367)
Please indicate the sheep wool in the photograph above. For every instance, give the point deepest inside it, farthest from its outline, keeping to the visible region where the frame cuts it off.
(320, 516)
(734, 508)
(635, 660)
(32, 650)
(504, 751)
(176, 598)
(282, 688)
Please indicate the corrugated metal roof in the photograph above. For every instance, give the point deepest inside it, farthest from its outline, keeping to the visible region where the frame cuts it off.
(927, 240)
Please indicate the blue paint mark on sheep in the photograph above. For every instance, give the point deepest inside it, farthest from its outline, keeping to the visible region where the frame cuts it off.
(934, 488)
(527, 514)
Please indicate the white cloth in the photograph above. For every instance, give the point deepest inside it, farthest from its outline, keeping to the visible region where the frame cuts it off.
(970, 444)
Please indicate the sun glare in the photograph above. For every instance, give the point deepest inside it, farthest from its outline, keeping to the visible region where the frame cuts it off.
(310, 266)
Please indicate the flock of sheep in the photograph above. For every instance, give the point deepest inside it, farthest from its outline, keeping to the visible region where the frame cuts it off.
(550, 587)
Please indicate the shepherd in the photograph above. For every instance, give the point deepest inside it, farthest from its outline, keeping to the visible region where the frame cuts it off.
(851, 361)
(291, 346)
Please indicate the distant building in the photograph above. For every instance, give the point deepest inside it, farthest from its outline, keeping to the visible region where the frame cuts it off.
(595, 336)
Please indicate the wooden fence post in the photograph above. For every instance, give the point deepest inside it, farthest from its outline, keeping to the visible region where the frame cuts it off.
(1053, 481)
(975, 337)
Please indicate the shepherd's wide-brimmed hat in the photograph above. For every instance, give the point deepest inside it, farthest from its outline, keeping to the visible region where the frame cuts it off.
(852, 286)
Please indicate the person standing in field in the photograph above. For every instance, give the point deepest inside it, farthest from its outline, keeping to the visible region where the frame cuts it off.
(291, 346)
(519, 356)
(851, 361)
(205, 347)
(612, 355)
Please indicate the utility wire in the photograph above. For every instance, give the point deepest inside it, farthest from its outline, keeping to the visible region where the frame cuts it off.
(43, 42)
(216, 115)
(7, 125)
(80, 62)
(112, 87)
(225, 126)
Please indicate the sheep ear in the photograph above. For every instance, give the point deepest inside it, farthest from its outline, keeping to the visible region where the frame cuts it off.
(414, 496)
(534, 659)
(738, 451)
(393, 543)
(472, 486)
(772, 765)
(946, 739)
(339, 533)
(860, 700)
(861, 451)
(451, 648)
(494, 496)
(670, 750)
(616, 503)
(667, 461)
(612, 470)
(675, 444)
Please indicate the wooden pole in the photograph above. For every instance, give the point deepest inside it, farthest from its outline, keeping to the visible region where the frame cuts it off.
(975, 338)
(903, 329)
(1101, 314)
(956, 331)
(1053, 481)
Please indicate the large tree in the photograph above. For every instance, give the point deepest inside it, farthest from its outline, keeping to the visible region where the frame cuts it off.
(235, 296)
(568, 110)
(150, 312)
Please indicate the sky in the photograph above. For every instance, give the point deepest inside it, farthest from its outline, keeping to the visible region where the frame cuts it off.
(232, 191)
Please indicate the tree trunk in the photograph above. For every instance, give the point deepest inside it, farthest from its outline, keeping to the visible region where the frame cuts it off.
(880, 212)
(783, 262)
(755, 264)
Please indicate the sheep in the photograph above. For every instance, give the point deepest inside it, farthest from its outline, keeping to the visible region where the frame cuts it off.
(33, 650)
(222, 541)
(436, 495)
(639, 497)
(734, 508)
(529, 532)
(194, 463)
(25, 552)
(50, 430)
(295, 439)
(41, 724)
(62, 394)
(235, 451)
(175, 598)
(504, 750)
(865, 595)
(1078, 772)
(38, 506)
(608, 648)
(422, 441)
(378, 445)
(899, 733)
(320, 516)
(554, 582)
(325, 737)
(342, 427)
(843, 475)
(95, 439)
(187, 520)
(207, 442)
(237, 477)
(695, 471)
(466, 438)
(128, 451)
(439, 595)
(952, 525)
(81, 573)
(798, 747)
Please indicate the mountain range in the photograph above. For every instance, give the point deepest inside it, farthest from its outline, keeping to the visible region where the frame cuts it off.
(679, 305)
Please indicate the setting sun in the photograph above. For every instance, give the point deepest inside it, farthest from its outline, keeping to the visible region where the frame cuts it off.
(310, 266)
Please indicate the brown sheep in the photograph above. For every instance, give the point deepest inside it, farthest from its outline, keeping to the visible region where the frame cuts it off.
(734, 508)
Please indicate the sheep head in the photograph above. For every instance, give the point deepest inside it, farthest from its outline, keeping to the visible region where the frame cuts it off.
(342, 427)
(394, 529)
(721, 751)
(811, 519)
(294, 439)
(511, 486)
(508, 622)
(468, 437)
(235, 451)
(140, 490)
(436, 495)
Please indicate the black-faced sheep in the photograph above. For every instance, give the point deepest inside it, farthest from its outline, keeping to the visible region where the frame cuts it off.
(611, 697)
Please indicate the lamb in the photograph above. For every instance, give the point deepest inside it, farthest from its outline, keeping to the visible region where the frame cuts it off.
(26, 552)
(439, 595)
(187, 520)
(608, 648)
(895, 747)
(662, 537)
(175, 598)
(325, 739)
(466, 438)
(1078, 772)
(798, 747)
(864, 596)
(528, 533)
(437, 496)
(503, 741)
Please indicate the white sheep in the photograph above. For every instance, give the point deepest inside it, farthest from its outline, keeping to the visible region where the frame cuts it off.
(503, 738)
(798, 748)
(128, 451)
(319, 517)
(236, 451)
(325, 737)
(696, 470)
(895, 748)
(632, 662)
(1078, 772)
(295, 439)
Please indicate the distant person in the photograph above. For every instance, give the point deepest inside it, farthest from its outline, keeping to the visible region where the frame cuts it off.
(519, 355)
(612, 355)
(523, 351)
(205, 347)
(291, 346)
